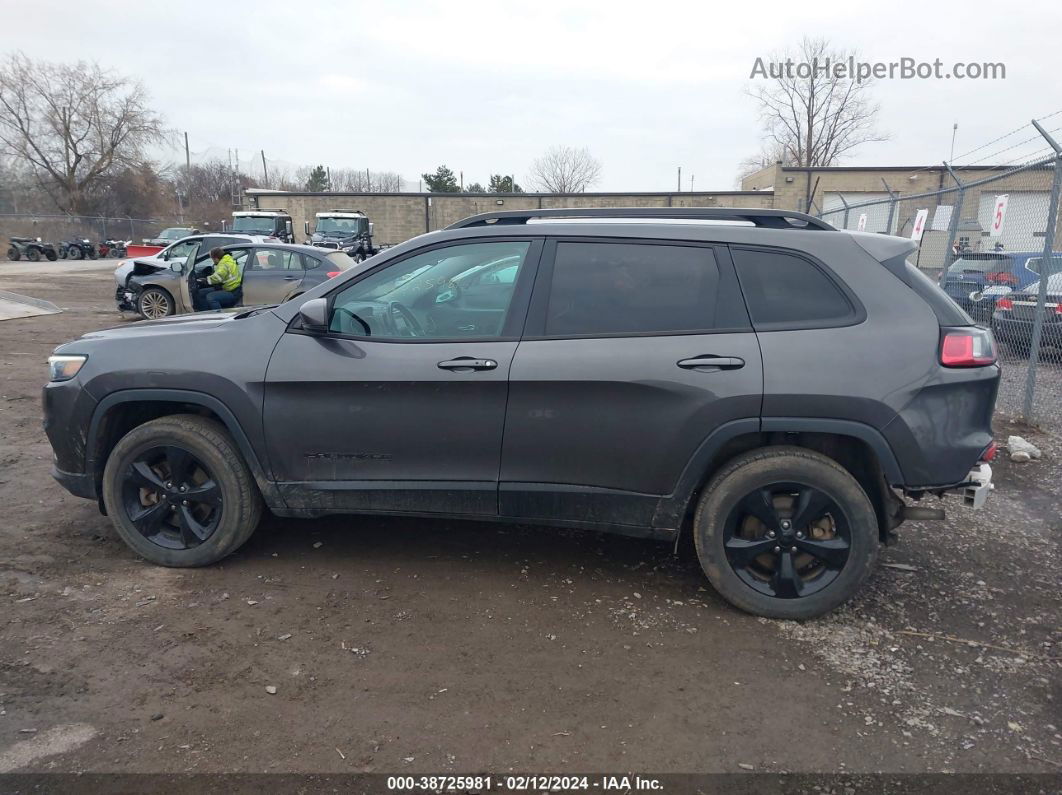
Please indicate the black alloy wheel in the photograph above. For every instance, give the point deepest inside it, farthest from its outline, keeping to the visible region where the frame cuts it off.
(787, 540)
(171, 497)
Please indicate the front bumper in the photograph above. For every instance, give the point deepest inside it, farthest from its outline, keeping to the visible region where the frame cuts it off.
(978, 486)
(125, 297)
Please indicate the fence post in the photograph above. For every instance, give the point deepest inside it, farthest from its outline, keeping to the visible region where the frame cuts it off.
(841, 197)
(1045, 272)
(953, 224)
(892, 207)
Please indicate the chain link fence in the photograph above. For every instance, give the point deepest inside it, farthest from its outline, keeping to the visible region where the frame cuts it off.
(992, 242)
(55, 228)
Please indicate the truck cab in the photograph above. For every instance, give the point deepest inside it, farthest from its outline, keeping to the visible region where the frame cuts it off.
(344, 230)
(264, 223)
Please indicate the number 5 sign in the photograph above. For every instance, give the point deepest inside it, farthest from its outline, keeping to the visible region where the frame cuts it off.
(919, 224)
(998, 216)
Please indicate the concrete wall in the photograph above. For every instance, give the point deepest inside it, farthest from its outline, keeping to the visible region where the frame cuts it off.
(399, 216)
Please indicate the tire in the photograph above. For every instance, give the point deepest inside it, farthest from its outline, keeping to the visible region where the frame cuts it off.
(74, 252)
(62, 252)
(92, 253)
(154, 303)
(724, 531)
(33, 254)
(51, 255)
(214, 456)
(13, 254)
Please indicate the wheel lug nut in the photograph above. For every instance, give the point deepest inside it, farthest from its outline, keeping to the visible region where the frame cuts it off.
(800, 535)
(771, 534)
(185, 502)
(793, 549)
(777, 549)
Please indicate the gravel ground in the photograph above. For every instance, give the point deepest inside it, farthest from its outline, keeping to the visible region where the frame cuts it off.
(408, 645)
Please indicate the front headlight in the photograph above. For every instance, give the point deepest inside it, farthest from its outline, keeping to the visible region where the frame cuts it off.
(63, 368)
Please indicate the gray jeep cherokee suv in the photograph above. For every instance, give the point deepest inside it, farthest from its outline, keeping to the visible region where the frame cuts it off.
(755, 378)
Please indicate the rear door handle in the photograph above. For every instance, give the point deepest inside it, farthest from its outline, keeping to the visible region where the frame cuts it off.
(464, 364)
(711, 363)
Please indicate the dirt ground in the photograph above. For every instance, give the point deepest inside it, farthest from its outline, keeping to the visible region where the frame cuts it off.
(409, 645)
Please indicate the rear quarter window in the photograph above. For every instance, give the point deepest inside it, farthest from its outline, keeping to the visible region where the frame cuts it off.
(783, 290)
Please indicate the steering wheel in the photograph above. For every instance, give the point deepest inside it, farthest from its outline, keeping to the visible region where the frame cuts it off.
(397, 310)
(339, 310)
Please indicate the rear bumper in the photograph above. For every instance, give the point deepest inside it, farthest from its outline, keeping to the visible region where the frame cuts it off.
(1008, 329)
(77, 483)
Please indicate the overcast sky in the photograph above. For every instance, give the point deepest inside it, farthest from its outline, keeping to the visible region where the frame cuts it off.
(487, 86)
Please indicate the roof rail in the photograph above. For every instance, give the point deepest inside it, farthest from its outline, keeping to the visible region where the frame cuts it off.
(771, 219)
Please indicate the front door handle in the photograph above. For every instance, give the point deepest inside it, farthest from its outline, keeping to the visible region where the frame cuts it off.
(465, 364)
(292, 278)
(707, 364)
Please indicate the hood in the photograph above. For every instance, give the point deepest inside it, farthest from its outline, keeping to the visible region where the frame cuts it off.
(176, 324)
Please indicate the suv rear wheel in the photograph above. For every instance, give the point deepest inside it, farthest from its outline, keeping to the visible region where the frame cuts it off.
(785, 532)
(179, 492)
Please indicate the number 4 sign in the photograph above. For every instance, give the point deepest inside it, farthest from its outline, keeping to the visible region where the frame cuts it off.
(919, 224)
(998, 216)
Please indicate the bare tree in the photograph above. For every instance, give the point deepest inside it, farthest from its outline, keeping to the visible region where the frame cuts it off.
(813, 114)
(73, 123)
(565, 169)
(362, 180)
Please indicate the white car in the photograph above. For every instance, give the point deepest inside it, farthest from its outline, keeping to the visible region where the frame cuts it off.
(173, 252)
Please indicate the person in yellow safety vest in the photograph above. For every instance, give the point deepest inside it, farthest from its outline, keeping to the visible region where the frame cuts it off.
(227, 275)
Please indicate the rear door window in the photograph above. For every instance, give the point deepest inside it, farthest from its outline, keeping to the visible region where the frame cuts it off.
(605, 289)
(784, 290)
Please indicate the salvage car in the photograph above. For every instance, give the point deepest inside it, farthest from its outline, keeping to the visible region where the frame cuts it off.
(1015, 315)
(172, 253)
(272, 273)
(782, 392)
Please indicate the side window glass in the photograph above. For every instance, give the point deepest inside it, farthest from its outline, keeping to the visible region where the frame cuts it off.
(433, 295)
(631, 288)
(308, 262)
(271, 259)
(784, 289)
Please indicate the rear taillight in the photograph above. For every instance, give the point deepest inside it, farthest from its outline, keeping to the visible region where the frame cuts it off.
(333, 274)
(1005, 304)
(1002, 277)
(1058, 309)
(967, 347)
(989, 453)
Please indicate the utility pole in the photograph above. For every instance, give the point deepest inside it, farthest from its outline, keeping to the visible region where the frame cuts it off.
(368, 182)
(691, 182)
(187, 153)
(680, 179)
(265, 170)
(462, 173)
(328, 171)
(954, 129)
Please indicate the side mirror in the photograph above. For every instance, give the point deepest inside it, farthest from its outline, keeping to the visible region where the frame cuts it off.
(176, 266)
(370, 228)
(287, 227)
(306, 227)
(314, 315)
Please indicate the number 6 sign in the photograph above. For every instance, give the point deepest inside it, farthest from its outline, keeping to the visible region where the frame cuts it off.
(998, 216)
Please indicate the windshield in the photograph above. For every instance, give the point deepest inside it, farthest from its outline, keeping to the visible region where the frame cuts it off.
(173, 233)
(983, 263)
(342, 226)
(253, 225)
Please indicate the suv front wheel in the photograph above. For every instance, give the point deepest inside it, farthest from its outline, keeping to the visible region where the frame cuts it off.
(785, 532)
(179, 492)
